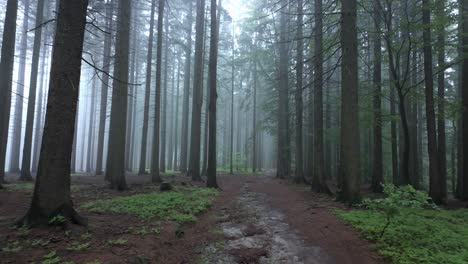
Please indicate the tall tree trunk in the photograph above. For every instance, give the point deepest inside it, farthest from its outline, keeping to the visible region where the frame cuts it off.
(104, 88)
(464, 92)
(299, 176)
(176, 117)
(91, 127)
(350, 162)
(213, 65)
(435, 185)
(131, 93)
(377, 159)
(186, 101)
(170, 148)
(6, 77)
(117, 127)
(167, 58)
(393, 134)
(28, 136)
(441, 135)
(18, 123)
(284, 157)
(319, 181)
(51, 195)
(194, 164)
(254, 112)
(149, 64)
(231, 143)
(155, 176)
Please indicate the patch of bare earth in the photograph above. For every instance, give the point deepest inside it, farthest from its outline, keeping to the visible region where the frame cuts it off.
(255, 219)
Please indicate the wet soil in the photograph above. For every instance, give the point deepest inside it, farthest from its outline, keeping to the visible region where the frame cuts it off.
(255, 219)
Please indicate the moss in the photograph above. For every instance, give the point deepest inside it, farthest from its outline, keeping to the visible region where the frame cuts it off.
(416, 235)
(181, 205)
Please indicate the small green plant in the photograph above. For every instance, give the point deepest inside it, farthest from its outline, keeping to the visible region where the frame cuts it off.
(23, 231)
(57, 220)
(397, 198)
(13, 247)
(77, 246)
(94, 262)
(86, 236)
(51, 258)
(39, 243)
(181, 205)
(117, 242)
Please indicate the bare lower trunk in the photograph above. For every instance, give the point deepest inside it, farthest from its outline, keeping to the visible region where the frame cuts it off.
(52, 190)
(117, 127)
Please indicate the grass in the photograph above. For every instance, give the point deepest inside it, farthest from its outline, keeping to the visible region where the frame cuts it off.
(181, 205)
(29, 187)
(416, 235)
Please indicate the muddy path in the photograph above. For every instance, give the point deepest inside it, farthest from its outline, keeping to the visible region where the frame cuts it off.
(272, 221)
(254, 219)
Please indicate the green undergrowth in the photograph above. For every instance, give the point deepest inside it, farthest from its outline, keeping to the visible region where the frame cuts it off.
(408, 230)
(181, 205)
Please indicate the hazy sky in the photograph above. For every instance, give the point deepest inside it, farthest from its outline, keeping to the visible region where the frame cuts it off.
(236, 8)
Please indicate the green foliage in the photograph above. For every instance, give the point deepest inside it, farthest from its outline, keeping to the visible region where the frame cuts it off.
(397, 198)
(51, 258)
(77, 246)
(12, 247)
(117, 242)
(57, 220)
(181, 205)
(39, 243)
(23, 231)
(418, 234)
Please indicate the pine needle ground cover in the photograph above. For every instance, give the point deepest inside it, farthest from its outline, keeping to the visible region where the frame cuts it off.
(415, 236)
(181, 205)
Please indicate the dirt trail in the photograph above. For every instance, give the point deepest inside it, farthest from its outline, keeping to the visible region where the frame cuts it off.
(270, 221)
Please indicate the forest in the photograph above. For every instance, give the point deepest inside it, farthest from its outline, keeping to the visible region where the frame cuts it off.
(234, 131)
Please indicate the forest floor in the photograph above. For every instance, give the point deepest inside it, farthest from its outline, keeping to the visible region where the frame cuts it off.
(254, 219)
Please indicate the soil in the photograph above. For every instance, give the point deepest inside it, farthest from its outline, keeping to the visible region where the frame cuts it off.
(255, 219)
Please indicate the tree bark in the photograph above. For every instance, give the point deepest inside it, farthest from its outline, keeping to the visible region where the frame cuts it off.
(464, 92)
(186, 101)
(213, 64)
(28, 136)
(18, 123)
(377, 160)
(149, 64)
(52, 190)
(284, 156)
(117, 127)
(194, 164)
(350, 161)
(167, 58)
(435, 185)
(299, 176)
(155, 175)
(441, 135)
(6, 76)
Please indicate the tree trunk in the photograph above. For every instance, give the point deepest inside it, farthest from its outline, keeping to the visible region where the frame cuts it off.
(6, 76)
(377, 160)
(18, 123)
(464, 92)
(52, 190)
(186, 101)
(233, 73)
(155, 176)
(319, 183)
(104, 88)
(350, 162)
(28, 136)
(117, 127)
(211, 171)
(176, 117)
(149, 64)
(299, 176)
(435, 185)
(284, 157)
(441, 135)
(167, 58)
(91, 127)
(194, 164)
